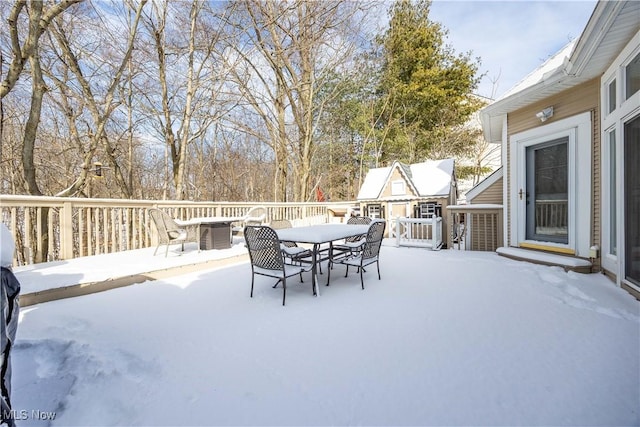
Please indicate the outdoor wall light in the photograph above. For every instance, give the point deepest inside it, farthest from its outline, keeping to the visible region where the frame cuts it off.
(545, 114)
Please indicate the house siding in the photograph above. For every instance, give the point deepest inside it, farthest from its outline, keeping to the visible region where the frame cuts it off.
(568, 103)
(493, 194)
(584, 97)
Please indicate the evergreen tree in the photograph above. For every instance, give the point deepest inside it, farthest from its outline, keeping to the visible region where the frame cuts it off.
(426, 89)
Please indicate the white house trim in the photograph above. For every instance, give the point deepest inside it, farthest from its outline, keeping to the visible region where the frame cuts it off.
(578, 130)
(614, 121)
(484, 184)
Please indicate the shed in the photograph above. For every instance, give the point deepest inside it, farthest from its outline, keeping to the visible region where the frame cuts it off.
(415, 191)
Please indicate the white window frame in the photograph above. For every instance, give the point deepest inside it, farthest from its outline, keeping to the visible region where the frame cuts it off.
(606, 98)
(398, 188)
(609, 260)
(578, 130)
(626, 110)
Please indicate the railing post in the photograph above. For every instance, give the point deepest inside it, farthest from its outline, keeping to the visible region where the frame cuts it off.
(434, 237)
(66, 231)
(397, 231)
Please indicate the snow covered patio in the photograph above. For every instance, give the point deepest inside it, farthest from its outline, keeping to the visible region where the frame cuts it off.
(445, 338)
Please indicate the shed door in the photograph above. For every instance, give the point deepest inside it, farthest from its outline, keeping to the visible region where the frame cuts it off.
(399, 209)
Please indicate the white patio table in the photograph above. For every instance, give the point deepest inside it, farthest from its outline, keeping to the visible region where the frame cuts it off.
(213, 232)
(317, 235)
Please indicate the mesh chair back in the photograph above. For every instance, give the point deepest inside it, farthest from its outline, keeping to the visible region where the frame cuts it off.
(279, 224)
(357, 220)
(371, 248)
(264, 247)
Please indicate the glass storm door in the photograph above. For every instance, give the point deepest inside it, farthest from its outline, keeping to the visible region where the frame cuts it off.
(632, 200)
(547, 190)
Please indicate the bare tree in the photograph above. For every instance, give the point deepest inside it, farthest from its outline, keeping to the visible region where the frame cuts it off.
(100, 105)
(184, 103)
(39, 19)
(292, 49)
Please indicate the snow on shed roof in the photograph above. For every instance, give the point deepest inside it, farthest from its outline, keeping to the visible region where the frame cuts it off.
(429, 178)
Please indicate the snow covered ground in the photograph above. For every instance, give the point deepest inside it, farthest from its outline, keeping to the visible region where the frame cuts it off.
(445, 338)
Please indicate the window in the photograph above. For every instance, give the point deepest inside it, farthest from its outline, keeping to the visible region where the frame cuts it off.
(375, 211)
(397, 188)
(428, 210)
(613, 227)
(632, 200)
(632, 76)
(620, 154)
(612, 96)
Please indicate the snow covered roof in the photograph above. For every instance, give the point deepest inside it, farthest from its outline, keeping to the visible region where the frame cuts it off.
(611, 26)
(431, 178)
(548, 68)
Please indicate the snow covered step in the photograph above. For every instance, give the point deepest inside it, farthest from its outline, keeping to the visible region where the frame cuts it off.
(578, 265)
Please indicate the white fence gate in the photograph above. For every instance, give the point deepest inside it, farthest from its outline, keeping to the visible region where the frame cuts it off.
(418, 232)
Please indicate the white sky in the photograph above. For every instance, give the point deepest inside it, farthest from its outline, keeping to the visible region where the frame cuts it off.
(445, 338)
(511, 37)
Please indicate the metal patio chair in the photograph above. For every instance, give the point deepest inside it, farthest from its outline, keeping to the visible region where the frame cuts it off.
(369, 253)
(352, 245)
(267, 258)
(291, 250)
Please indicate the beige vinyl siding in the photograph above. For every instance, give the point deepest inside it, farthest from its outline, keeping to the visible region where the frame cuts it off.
(596, 168)
(507, 197)
(568, 103)
(486, 230)
(397, 176)
(493, 194)
(584, 97)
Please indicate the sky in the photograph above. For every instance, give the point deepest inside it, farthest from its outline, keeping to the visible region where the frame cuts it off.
(512, 38)
(444, 338)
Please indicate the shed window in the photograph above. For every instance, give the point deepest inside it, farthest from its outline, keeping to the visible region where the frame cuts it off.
(375, 211)
(428, 210)
(398, 188)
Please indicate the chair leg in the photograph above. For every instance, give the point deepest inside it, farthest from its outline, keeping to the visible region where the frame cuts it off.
(329, 267)
(156, 251)
(166, 252)
(361, 278)
(346, 272)
(284, 289)
(253, 276)
(378, 265)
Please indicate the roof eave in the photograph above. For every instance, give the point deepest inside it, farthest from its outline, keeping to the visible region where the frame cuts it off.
(573, 71)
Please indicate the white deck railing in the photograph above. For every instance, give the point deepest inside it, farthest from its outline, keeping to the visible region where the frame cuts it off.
(58, 228)
(417, 232)
(476, 227)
